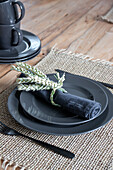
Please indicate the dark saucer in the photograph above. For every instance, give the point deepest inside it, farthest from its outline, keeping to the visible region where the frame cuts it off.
(31, 45)
(21, 59)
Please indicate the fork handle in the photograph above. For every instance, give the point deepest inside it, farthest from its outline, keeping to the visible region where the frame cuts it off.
(56, 149)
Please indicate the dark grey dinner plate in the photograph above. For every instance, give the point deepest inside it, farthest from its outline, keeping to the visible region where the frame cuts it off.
(42, 127)
(30, 45)
(79, 86)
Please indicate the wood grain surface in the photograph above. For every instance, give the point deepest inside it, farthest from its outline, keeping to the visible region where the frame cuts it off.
(75, 25)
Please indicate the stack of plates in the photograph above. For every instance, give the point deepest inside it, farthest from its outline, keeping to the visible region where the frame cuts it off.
(40, 116)
(28, 49)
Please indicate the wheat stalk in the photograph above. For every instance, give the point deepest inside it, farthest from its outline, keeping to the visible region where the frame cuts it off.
(37, 80)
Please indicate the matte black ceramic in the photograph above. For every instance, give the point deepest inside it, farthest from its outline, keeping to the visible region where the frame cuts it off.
(9, 13)
(21, 59)
(33, 124)
(30, 45)
(80, 86)
(10, 36)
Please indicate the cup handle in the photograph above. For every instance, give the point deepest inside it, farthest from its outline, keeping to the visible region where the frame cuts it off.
(22, 9)
(19, 35)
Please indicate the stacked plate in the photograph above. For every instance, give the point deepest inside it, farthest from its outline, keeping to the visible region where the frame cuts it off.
(28, 49)
(40, 116)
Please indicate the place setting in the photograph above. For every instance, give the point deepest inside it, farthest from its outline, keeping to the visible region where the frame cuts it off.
(59, 104)
(56, 85)
(56, 104)
(15, 44)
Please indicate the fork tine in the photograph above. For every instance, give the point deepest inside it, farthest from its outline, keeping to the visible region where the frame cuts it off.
(4, 129)
(7, 130)
(2, 125)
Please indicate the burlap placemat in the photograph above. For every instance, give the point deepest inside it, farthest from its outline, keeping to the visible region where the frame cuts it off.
(108, 17)
(93, 151)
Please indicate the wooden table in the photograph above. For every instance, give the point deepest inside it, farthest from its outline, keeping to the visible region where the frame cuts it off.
(71, 24)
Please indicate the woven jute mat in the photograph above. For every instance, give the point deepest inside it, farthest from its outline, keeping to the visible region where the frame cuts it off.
(93, 151)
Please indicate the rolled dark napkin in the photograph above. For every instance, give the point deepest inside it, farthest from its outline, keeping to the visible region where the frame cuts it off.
(83, 107)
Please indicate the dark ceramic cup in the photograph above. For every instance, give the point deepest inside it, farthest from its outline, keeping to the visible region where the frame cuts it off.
(10, 36)
(9, 13)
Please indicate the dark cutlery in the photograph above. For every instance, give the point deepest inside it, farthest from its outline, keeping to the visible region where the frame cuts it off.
(9, 131)
(105, 84)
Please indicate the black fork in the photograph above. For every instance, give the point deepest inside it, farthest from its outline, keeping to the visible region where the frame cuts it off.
(9, 131)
